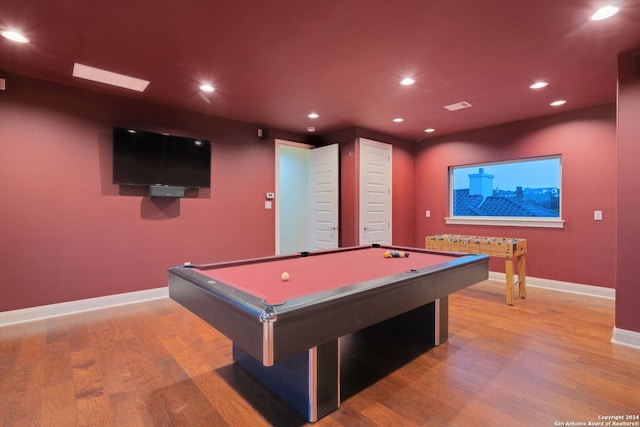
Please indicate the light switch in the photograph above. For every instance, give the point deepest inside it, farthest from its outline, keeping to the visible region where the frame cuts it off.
(427, 214)
(597, 215)
(267, 204)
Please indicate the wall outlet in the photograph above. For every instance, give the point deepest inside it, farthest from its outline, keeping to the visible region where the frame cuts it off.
(427, 214)
(597, 215)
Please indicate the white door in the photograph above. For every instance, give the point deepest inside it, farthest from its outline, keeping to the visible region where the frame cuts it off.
(323, 201)
(375, 192)
(306, 199)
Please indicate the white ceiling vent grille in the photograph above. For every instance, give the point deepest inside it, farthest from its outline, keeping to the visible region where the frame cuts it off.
(457, 106)
(109, 78)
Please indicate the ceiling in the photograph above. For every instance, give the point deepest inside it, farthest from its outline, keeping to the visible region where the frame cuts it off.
(273, 62)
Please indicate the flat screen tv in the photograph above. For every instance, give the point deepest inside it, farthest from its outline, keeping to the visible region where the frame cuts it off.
(149, 158)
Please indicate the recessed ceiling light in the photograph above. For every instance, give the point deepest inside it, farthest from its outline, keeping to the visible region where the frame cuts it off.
(407, 81)
(311, 129)
(207, 88)
(398, 120)
(313, 115)
(538, 85)
(429, 130)
(558, 103)
(15, 36)
(604, 13)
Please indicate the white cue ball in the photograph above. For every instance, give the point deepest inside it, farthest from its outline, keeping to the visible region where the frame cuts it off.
(284, 276)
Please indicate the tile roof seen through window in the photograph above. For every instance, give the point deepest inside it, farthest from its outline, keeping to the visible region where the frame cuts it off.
(477, 205)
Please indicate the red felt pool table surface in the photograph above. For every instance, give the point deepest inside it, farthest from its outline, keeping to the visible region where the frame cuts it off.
(319, 272)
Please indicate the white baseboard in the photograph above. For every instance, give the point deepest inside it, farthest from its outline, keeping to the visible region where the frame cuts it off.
(626, 338)
(556, 285)
(620, 336)
(80, 306)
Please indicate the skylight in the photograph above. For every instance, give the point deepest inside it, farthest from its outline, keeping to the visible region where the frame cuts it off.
(109, 78)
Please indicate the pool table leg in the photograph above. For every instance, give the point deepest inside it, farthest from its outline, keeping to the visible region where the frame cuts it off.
(441, 320)
(309, 382)
(428, 324)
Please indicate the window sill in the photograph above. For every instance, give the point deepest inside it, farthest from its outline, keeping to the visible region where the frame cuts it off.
(506, 221)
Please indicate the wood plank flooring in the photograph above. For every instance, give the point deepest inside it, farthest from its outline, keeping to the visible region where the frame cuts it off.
(545, 361)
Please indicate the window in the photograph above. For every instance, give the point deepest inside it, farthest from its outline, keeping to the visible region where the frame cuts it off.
(522, 192)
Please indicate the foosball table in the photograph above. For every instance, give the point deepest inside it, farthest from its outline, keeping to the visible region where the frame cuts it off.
(512, 249)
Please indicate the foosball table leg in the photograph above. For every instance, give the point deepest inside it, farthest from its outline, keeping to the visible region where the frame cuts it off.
(522, 276)
(509, 280)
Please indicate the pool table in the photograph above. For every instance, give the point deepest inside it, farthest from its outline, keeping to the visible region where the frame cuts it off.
(287, 332)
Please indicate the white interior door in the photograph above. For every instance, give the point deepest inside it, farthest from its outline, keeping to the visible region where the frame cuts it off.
(375, 192)
(306, 198)
(324, 197)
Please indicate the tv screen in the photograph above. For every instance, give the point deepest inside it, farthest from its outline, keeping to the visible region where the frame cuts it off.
(149, 158)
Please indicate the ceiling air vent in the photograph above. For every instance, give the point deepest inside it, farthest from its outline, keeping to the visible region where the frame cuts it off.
(457, 106)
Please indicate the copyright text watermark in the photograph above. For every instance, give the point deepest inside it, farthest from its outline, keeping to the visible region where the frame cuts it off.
(631, 420)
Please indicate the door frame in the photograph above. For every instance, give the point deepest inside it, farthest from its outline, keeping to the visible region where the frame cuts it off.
(278, 143)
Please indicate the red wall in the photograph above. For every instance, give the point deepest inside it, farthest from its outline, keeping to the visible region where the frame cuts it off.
(403, 176)
(68, 233)
(584, 251)
(74, 235)
(628, 283)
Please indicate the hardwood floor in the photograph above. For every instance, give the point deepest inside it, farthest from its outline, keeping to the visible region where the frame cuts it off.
(545, 361)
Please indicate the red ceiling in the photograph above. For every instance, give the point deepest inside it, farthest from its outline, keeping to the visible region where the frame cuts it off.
(275, 61)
